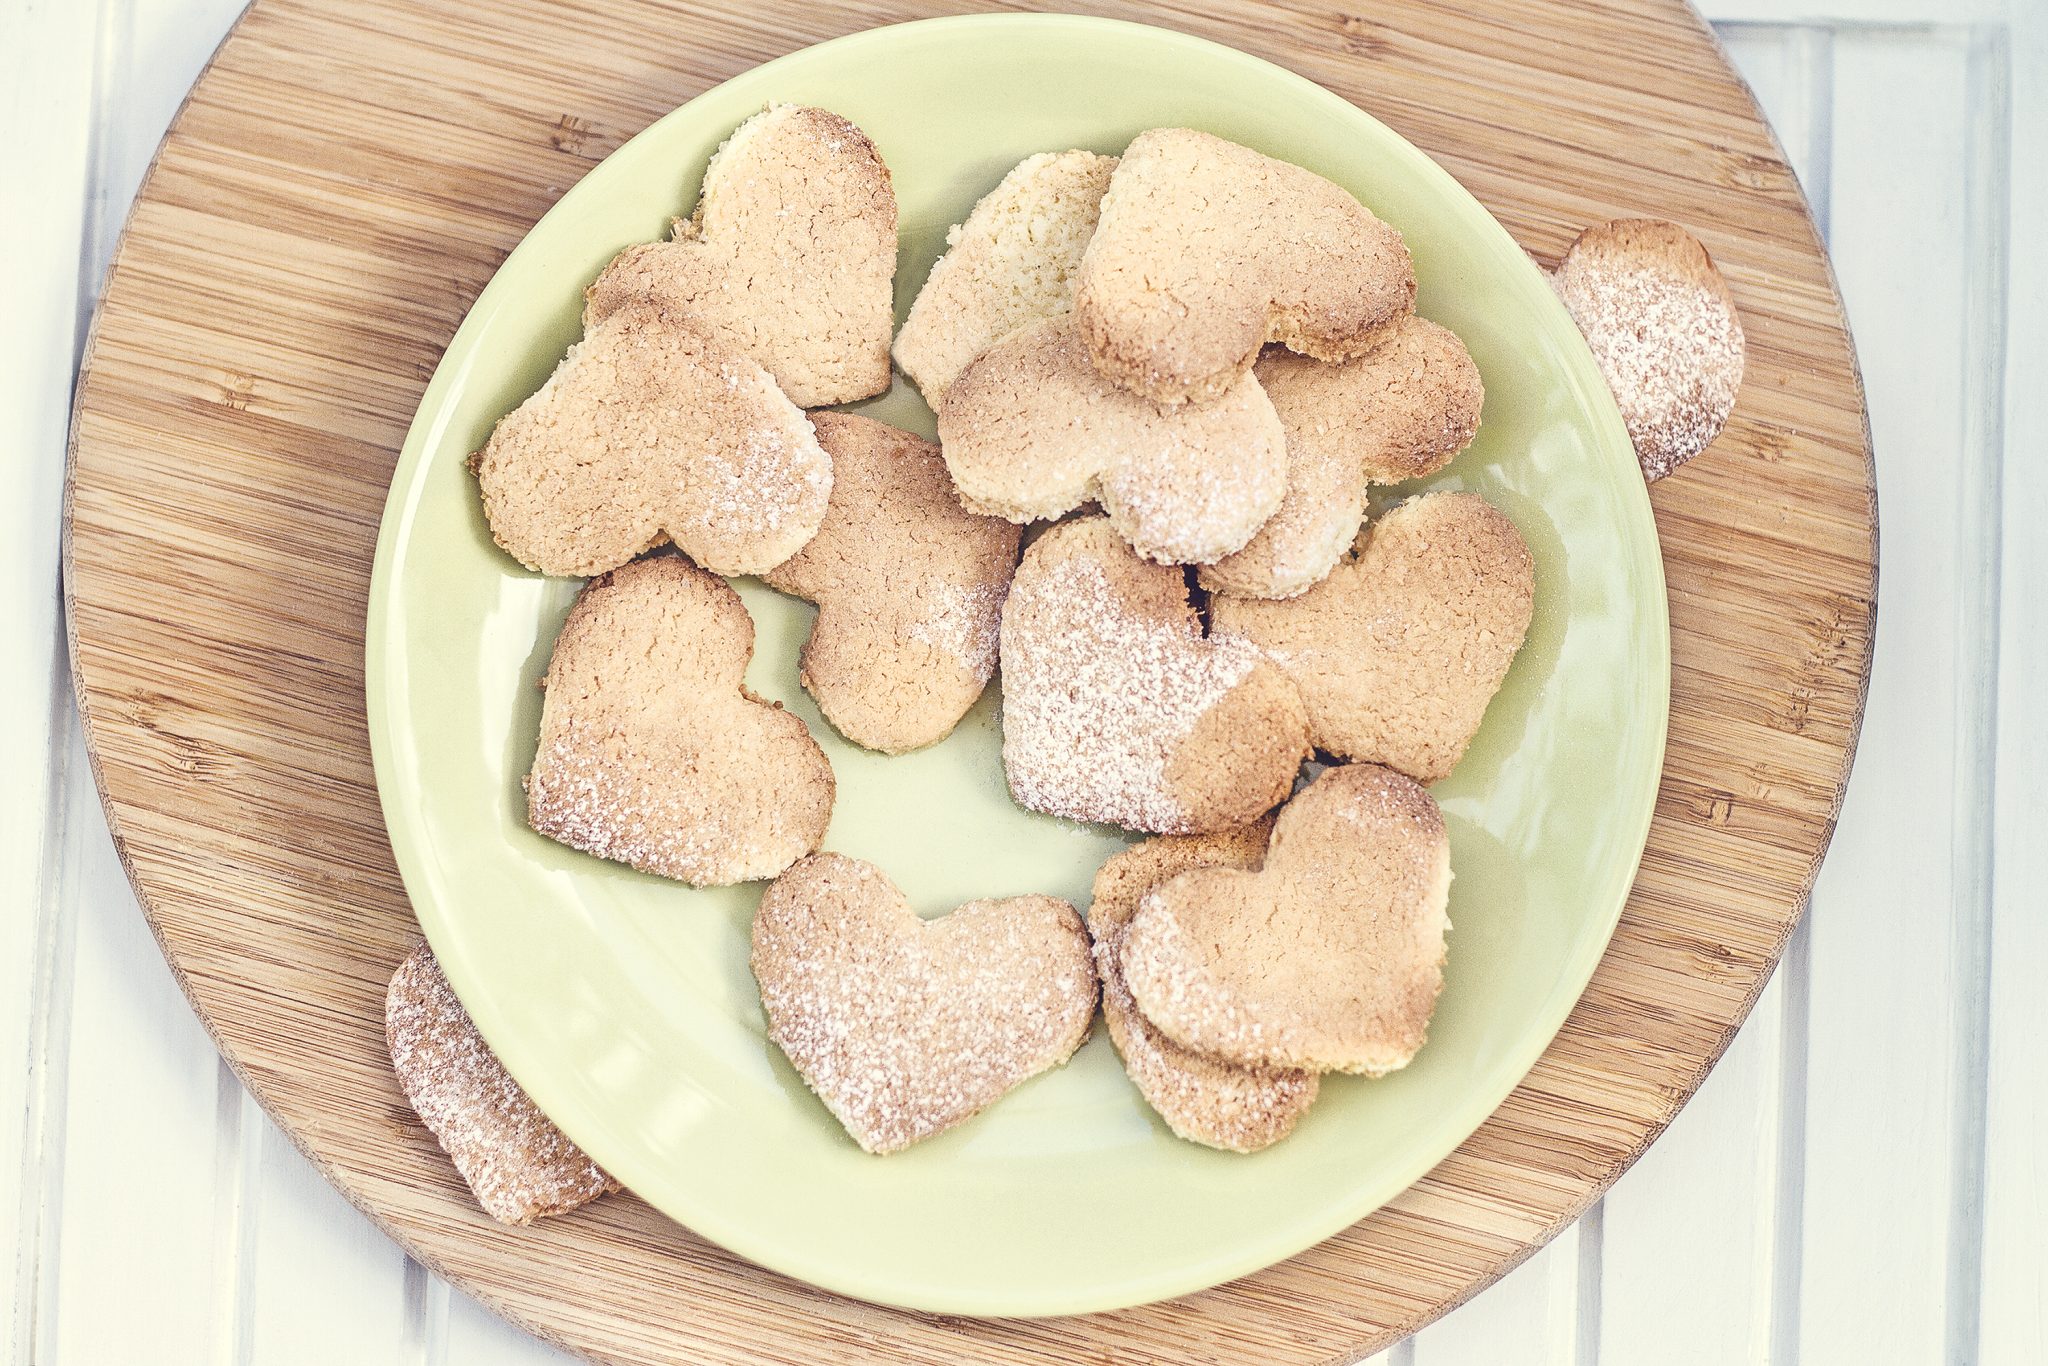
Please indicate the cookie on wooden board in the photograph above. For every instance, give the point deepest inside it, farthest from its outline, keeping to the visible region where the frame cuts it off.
(1117, 709)
(906, 1027)
(1664, 330)
(1030, 431)
(1329, 957)
(909, 587)
(651, 430)
(1398, 652)
(652, 751)
(1010, 263)
(515, 1161)
(790, 256)
(1203, 1099)
(1400, 411)
(1206, 250)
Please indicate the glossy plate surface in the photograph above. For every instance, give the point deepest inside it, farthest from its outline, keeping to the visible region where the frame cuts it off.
(624, 1003)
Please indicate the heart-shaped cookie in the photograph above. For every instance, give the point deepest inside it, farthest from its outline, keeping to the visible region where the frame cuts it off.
(1398, 412)
(1329, 957)
(651, 429)
(1012, 262)
(909, 587)
(1398, 652)
(1205, 251)
(1030, 430)
(1203, 1099)
(905, 1027)
(790, 256)
(1663, 327)
(653, 753)
(1116, 708)
(515, 1161)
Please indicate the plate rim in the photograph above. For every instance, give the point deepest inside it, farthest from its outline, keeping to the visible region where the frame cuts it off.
(1187, 1278)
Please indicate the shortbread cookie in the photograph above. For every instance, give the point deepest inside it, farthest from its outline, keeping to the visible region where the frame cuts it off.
(1031, 431)
(1399, 650)
(1206, 251)
(1012, 262)
(652, 430)
(790, 256)
(1400, 411)
(1329, 957)
(519, 1166)
(909, 587)
(1202, 1099)
(1117, 709)
(653, 753)
(905, 1027)
(1663, 327)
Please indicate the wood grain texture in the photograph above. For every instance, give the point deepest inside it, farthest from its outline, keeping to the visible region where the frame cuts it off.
(342, 183)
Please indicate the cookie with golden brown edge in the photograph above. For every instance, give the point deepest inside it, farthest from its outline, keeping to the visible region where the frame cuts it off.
(1117, 709)
(652, 430)
(1031, 431)
(1206, 250)
(515, 1161)
(1663, 327)
(1010, 263)
(909, 587)
(1398, 652)
(1329, 957)
(906, 1027)
(790, 257)
(652, 751)
(1400, 411)
(1203, 1099)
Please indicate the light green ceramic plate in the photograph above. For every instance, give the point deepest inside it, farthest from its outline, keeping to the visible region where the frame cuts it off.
(623, 1003)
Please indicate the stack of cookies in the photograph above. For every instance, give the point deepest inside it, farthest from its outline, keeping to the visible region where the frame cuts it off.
(1191, 363)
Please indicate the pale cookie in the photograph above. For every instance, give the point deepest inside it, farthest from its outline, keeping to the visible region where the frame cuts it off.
(1205, 251)
(1012, 262)
(1398, 412)
(1663, 327)
(653, 753)
(909, 587)
(1203, 1099)
(1398, 652)
(1031, 431)
(652, 430)
(1117, 709)
(790, 257)
(1329, 957)
(905, 1027)
(519, 1165)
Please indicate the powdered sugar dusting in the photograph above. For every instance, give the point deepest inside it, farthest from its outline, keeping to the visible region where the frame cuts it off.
(623, 805)
(1201, 1098)
(964, 622)
(1670, 348)
(1180, 504)
(905, 1028)
(764, 480)
(1096, 699)
(1174, 965)
(518, 1164)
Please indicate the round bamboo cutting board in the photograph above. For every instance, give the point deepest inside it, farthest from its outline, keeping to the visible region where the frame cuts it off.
(343, 181)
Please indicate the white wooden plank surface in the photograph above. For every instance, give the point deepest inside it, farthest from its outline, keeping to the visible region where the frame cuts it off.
(51, 127)
(139, 1166)
(324, 1287)
(2013, 1310)
(1883, 1052)
(1860, 1181)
